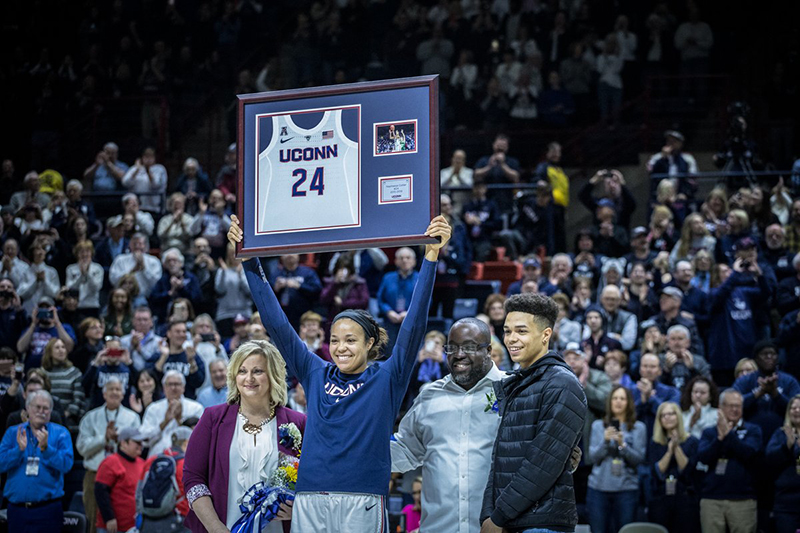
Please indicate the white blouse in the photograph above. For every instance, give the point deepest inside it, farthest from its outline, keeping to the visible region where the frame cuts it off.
(250, 464)
(708, 418)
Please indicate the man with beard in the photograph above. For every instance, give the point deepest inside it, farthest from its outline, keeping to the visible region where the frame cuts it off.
(450, 431)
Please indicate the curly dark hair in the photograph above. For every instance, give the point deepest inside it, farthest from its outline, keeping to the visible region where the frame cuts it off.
(543, 308)
(686, 394)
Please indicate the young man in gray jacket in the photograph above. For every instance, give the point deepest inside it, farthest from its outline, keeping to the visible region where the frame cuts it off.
(542, 408)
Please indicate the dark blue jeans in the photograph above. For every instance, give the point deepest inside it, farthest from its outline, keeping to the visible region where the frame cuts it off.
(609, 511)
(46, 519)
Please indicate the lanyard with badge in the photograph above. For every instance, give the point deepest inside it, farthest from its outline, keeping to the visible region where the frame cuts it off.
(32, 461)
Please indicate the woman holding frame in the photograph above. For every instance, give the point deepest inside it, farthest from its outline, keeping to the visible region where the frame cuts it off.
(345, 468)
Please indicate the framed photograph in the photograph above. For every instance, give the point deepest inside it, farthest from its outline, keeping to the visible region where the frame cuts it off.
(393, 138)
(315, 168)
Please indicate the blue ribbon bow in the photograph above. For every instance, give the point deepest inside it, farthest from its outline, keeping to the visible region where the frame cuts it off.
(260, 505)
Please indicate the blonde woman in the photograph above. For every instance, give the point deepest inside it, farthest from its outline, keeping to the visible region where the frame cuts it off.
(237, 444)
(672, 504)
(738, 227)
(715, 211)
(694, 238)
(783, 454)
(662, 231)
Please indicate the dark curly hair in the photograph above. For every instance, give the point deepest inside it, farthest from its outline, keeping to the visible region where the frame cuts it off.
(686, 395)
(543, 308)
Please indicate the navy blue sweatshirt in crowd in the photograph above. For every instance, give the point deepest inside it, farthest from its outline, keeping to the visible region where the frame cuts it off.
(740, 447)
(684, 478)
(350, 416)
(95, 378)
(783, 463)
(733, 307)
(767, 412)
(180, 363)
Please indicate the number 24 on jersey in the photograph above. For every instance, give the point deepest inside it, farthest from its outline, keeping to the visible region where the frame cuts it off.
(317, 181)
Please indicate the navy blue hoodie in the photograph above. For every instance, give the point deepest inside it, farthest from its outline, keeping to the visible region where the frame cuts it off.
(783, 463)
(733, 307)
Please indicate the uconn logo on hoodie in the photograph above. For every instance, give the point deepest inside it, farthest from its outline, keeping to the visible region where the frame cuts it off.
(332, 389)
(740, 310)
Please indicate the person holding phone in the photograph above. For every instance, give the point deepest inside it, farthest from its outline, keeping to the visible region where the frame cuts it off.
(45, 325)
(179, 355)
(617, 448)
(13, 320)
(352, 403)
(112, 362)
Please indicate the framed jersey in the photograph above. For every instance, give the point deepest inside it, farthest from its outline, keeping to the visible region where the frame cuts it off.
(317, 169)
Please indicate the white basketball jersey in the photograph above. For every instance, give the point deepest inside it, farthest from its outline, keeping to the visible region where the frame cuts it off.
(308, 179)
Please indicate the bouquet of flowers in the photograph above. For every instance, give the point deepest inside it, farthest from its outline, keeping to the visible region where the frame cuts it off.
(261, 503)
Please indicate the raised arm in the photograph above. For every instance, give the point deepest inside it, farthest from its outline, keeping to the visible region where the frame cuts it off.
(412, 330)
(298, 359)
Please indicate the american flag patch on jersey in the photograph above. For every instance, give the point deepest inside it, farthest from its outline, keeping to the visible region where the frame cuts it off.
(327, 134)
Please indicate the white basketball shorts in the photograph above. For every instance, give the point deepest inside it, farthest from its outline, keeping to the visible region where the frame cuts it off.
(339, 512)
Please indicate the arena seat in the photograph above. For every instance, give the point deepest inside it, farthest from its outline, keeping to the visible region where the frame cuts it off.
(465, 307)
(643, 527)
(475, 271)
(507, 272)
(498, 253)
(480, 290)
(74, 522)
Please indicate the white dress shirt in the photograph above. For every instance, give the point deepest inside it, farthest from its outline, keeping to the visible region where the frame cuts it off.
(31, 290)
(449, 432)
(708, 418)
(136, 180)
(88, 284)
(153, 416)
(250, 464)
(147, 277)
(91, 441)
(17, 272)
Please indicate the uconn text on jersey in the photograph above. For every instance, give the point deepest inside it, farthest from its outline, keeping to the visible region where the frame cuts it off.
(309, 154)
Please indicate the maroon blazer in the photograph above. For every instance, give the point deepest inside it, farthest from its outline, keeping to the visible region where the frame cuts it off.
(208, 456)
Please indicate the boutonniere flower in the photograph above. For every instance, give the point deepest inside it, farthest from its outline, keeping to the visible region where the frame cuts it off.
(491, 404)
(289, 436)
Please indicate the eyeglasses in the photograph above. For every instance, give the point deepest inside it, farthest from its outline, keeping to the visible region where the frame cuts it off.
(469, 349)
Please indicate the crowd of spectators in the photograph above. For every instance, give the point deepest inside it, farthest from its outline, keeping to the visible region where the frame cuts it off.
(117, 317)
(128, 322)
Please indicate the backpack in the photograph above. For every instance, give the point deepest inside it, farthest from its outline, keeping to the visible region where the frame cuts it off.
(158, 493)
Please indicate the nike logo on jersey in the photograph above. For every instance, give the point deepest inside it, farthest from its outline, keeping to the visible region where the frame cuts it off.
(285, 140)
(369, 507)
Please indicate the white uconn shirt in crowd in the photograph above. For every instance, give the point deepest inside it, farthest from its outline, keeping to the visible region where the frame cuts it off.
(449, 432)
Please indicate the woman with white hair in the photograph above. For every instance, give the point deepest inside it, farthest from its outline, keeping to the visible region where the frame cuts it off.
(237, 444)
(173, 228)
